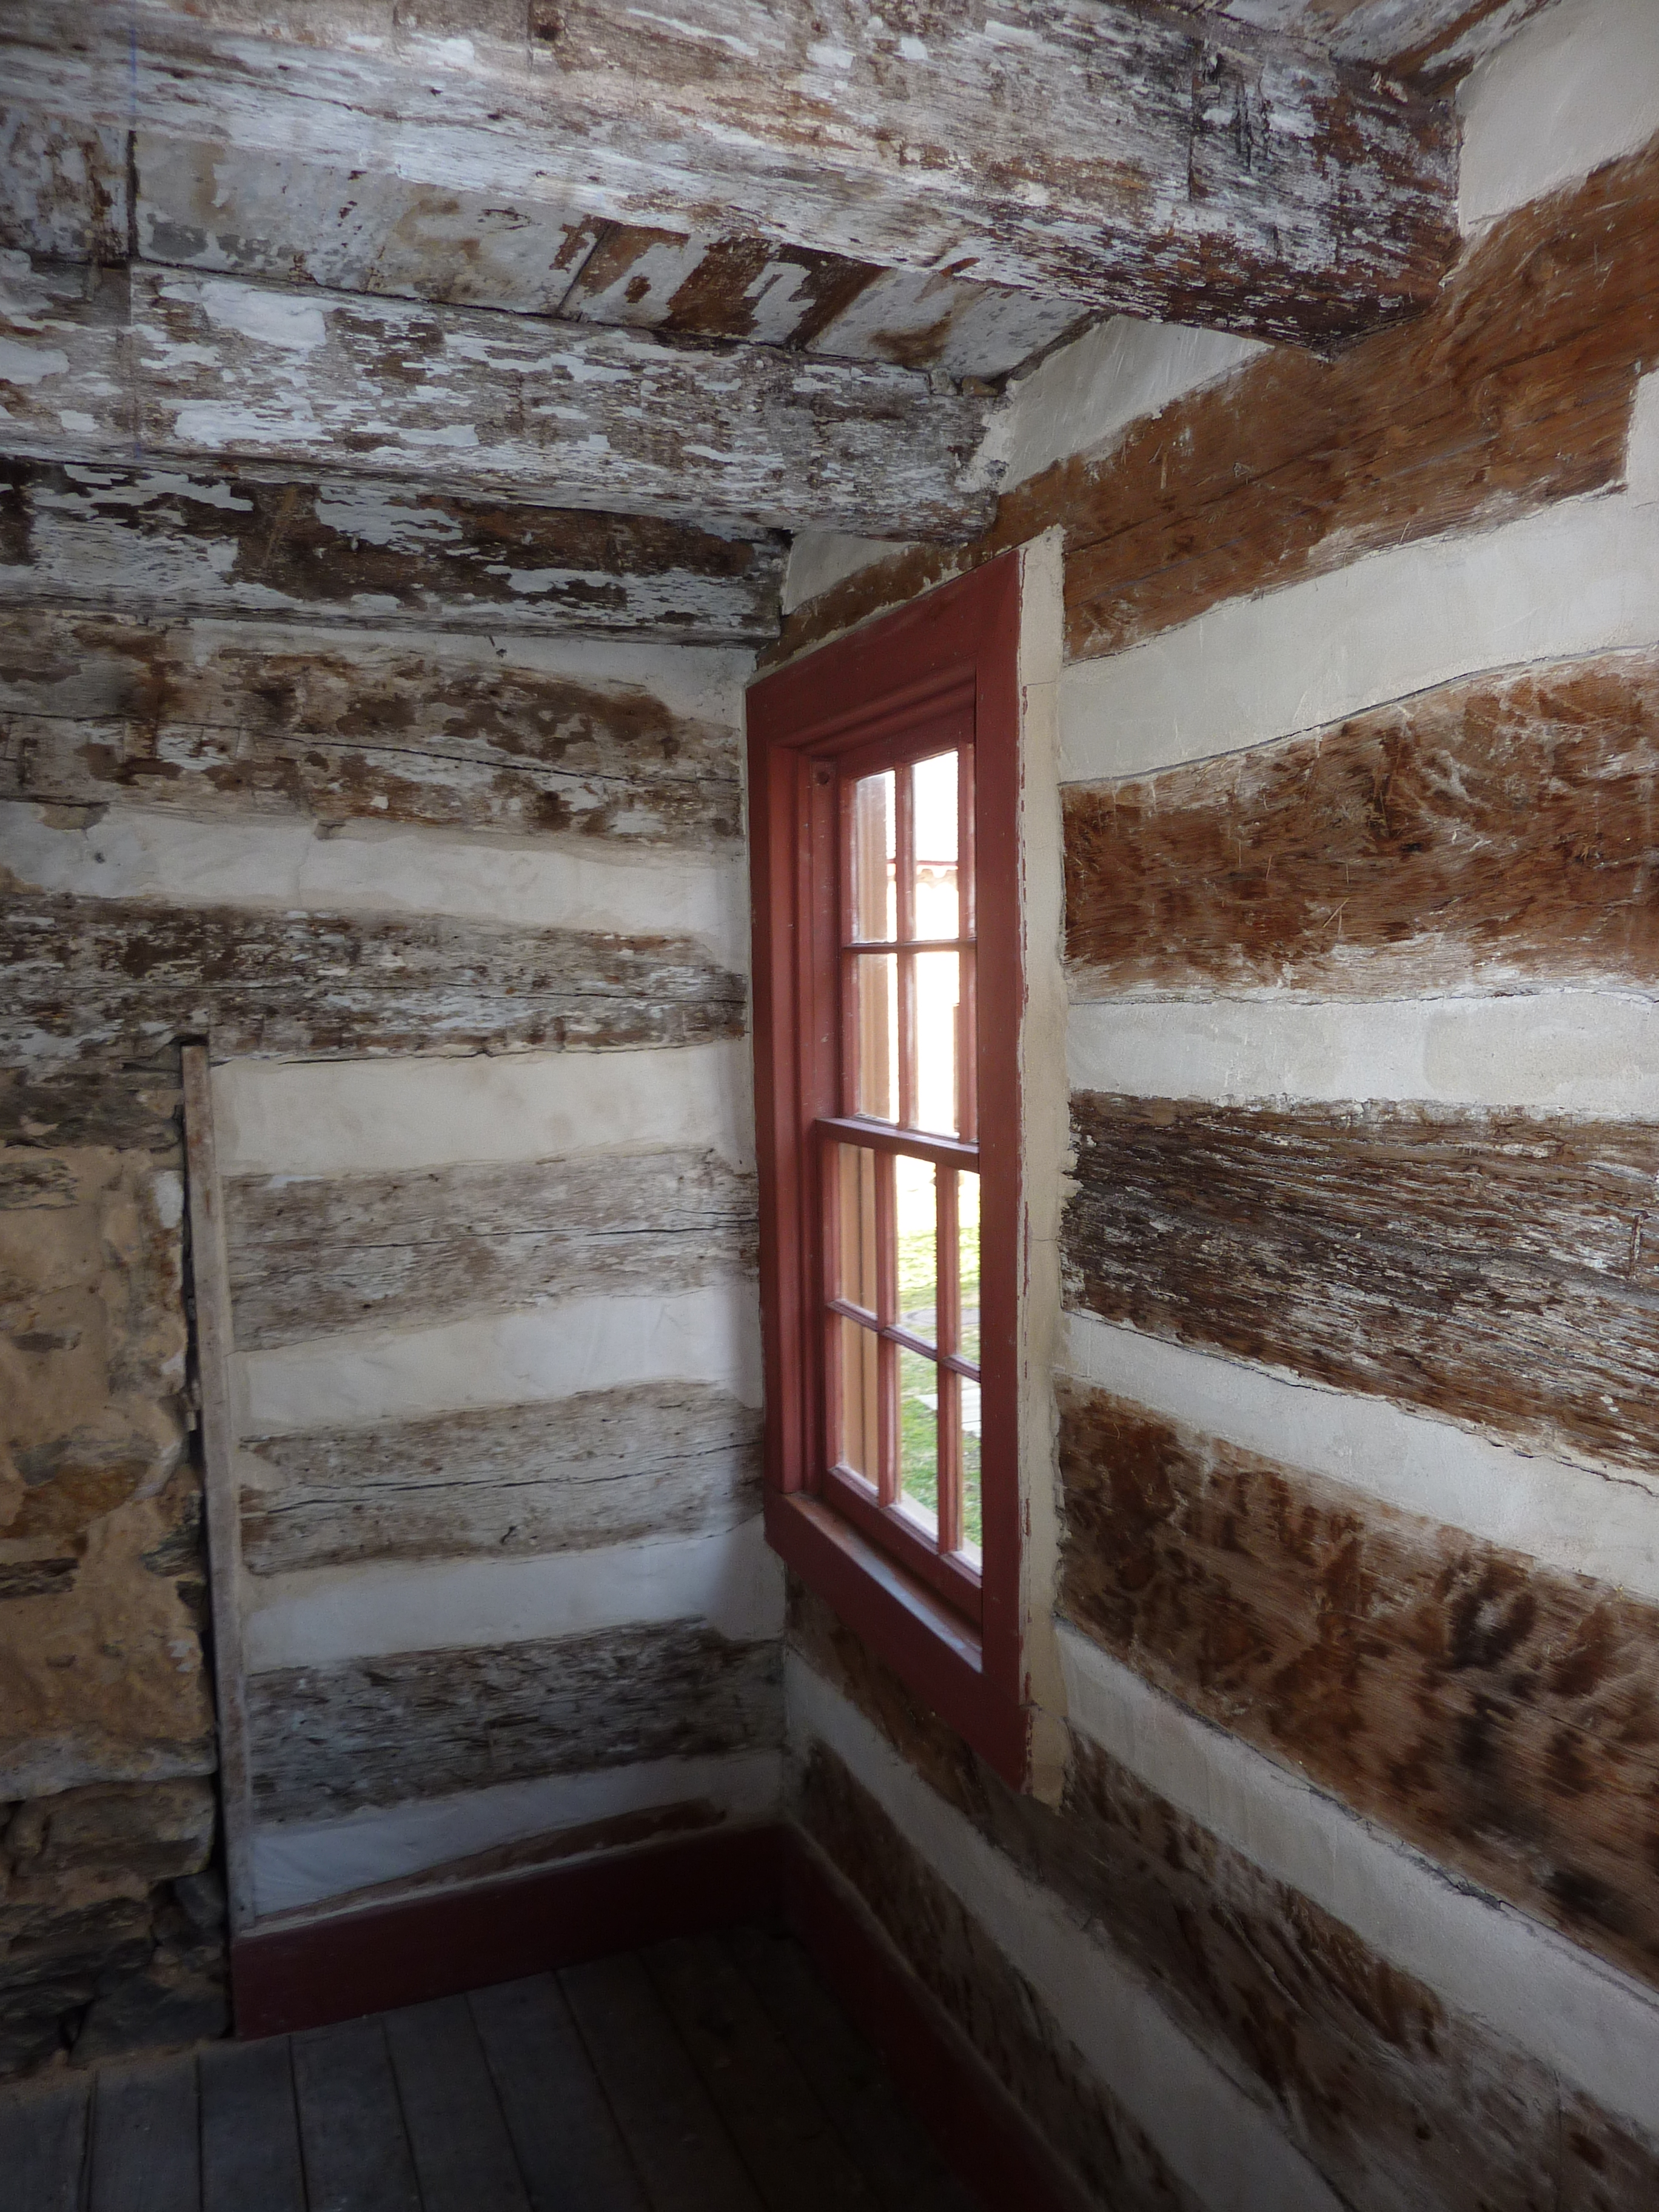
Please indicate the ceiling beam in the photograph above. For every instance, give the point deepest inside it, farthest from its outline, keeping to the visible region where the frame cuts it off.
(156, 365)
(1126, 160)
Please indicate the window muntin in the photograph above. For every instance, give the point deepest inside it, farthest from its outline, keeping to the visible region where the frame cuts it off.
(900, 1291)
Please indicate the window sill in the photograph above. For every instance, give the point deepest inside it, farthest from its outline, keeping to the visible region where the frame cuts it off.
(940, 1655)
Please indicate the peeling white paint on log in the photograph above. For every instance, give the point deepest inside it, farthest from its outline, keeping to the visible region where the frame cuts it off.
(1224, 2145)
(351, 1117)
(709, 1335)
(300, 1863)
(1578, 88)
(167, 860)
(259, 211)
(1581, 578)
(162, 365)
(833, 130)
(1569, 1515)
(168, 542)
(1485, 1960)
(732, 1580)
(1560, 1052)
(646, 1463)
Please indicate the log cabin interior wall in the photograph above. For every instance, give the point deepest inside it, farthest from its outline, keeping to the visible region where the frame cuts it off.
(413, 792)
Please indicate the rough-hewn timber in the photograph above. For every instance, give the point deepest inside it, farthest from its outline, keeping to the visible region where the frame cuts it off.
(312, 1255)
(1222, 178)
(426, 1724)
(168, 542)
(1496, 1268)
(100, 365)
(1399, 2101)
(101, 981)
(1500, 1714)
(605, 1466)
(1107, 2157)
(1488, 832)
(1428, 41)
(245, 718)
(1514, 390)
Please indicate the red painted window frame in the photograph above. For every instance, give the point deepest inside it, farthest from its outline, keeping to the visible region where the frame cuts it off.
(955, 650)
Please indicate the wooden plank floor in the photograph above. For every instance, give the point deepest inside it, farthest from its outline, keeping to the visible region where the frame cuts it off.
(712, 2075)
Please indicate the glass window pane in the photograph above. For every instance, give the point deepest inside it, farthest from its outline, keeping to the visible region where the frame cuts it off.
(875, 1026)
(858, 1428)
(918, 1383)
(973, 1518)
(968, 1276)
(917, 1224)
(875, 845)
(935, 836)
(938, 984)
(857, 1278)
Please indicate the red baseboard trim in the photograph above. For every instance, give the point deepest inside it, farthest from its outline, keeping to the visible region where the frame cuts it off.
(997, 2152)
(352, 1963)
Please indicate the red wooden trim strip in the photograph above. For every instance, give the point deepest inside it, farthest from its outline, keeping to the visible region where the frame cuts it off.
(305, 1974)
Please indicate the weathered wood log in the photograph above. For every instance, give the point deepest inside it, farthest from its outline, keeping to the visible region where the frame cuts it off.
(168, 542)
(1489, 832)
(249, 719)
(102, 981)
(606, 1467)
(1499, 1713)
(427, 1723)
(1207, 174)
(1495, 1269)
(1510, 394)
(101, 366)
(1395, 2096)
(1431, 41)
(312, 1256)
(1089, 2134)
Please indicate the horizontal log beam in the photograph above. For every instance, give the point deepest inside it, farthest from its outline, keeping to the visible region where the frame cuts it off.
(112, 365)
(251, 720)
(169, 543)
(330, 1739)
(311, 1256)
(1133, 163)
(651, 1461)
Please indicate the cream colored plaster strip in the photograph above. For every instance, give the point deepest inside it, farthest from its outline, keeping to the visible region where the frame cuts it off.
(731, 1580)
(168, 860)
(1548, 1052)
(710, 1335)
(381, 1116)
(1573, 1517)
(305, 1863)
(1582, 578)
(1598, 2029)
(1215, 2139)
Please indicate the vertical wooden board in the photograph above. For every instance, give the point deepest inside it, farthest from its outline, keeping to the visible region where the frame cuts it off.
(677, 2141)
(146, 2148)
(569, 2149)
(787, 2140)
(210, 1282)
(351, 2122)
(464, 2156)
(847, 2075)
(251, 2158)
(43, 2147)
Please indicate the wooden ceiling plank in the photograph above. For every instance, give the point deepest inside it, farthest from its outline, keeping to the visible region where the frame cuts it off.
(1120, 159)
(167, 366)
